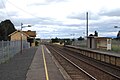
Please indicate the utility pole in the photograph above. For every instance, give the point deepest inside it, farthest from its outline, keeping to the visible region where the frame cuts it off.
(22, 35)
(86, 24)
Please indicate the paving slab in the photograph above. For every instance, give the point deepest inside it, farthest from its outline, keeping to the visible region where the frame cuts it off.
(16, 68)
(37, 70)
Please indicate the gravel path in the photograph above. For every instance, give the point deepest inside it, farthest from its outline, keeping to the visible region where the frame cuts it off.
(16, 68)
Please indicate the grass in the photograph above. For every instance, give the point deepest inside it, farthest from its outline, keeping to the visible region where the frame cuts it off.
(115, 48)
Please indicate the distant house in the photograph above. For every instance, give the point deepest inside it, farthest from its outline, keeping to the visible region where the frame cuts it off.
(28, 36)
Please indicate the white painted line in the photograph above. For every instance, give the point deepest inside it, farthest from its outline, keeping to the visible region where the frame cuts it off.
(48, 50)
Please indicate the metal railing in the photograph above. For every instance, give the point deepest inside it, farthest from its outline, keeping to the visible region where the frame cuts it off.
(9, 48)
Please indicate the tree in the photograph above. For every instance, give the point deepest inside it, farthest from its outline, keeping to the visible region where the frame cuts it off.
(73, 39)
(6, 28)
(80, 38)
(118, 35)
(55, 40)
(67, 41)
(96, 33)
(91, 35)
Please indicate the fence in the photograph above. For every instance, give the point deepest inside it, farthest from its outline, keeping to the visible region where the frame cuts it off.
(82, 43)
(9, 48)
(116, 45)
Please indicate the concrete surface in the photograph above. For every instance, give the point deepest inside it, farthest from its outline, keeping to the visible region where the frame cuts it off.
(17, 67)
(37, 69)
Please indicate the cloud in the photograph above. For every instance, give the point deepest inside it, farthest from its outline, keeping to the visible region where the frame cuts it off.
(49, 27)
(3, 15)
(44, 2)
(82, 16)
(72, 25)
(35, 20)
(60, 18)
(50, 1)
(47, 31)
(115, 12)
(12, 14)
(104, 25)
(2, 4)
(50, 21)
(108, 34)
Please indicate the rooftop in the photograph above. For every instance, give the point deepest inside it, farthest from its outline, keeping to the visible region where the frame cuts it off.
(30, 33)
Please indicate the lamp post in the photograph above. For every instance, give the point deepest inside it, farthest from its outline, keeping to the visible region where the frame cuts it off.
(22, 35)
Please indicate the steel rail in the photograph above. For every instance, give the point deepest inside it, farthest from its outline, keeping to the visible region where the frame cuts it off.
(100, 62)
(93, 66)
(75, 65)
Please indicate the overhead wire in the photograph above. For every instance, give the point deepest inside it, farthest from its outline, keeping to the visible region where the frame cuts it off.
(37, 18)
(6, 12)
(19, 21)
(23, 10)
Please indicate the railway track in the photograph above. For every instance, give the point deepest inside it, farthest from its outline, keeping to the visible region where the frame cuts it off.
(90, 70)
(108, 68)
(73, 70)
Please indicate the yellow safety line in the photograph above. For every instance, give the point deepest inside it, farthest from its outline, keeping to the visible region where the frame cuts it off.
(46, 71)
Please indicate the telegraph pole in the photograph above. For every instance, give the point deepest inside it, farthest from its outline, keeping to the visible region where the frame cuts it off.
(86, 24)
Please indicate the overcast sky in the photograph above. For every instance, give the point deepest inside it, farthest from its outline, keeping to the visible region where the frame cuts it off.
(63, 18)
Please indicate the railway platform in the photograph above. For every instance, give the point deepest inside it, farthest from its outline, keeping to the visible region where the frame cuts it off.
(43, 67)
(17, 67)
(96, 51)
(107, 57)
(35, 63)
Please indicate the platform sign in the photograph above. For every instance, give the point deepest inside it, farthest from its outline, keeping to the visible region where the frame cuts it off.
(108, 44)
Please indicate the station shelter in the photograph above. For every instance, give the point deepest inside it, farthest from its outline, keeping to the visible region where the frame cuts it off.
(94, 42)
